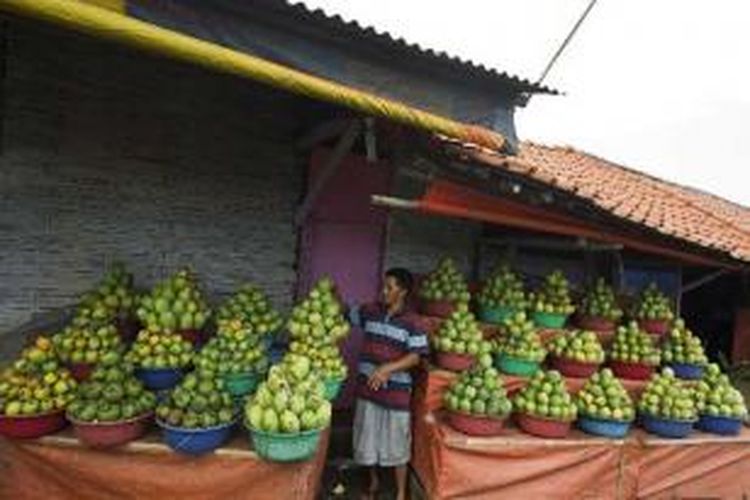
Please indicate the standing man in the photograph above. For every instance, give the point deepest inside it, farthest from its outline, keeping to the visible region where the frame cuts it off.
(392, 346)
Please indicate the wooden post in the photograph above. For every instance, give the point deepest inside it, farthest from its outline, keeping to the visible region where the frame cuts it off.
(329, 168)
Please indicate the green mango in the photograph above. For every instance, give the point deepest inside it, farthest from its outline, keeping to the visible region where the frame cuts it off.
(206, 387)
(308, 420)
(133, 388)
(199, 403)
(181, 398)
(270, 421)
(208, 420)
(128, 410)
(107, 412)
(147, 400)
(93, 390)
(113, 393)
(289, 422)
(225, 415)
(115, 375)
(88, 412)
(175, 417)
(162, 412)
(191, 420)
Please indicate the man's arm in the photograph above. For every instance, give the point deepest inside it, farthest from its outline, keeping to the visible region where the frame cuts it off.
(417, 348)
(380, 376)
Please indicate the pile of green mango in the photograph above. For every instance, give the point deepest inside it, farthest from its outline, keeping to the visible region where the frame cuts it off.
(253, 308)
(716, 396)
(153, 350)
(113, 298)
(478, 392)
(503, 290)
(290, 400)
(112, 394)
(174, 304)
(653, 305)
(87, 342)
(546, 396)
(633, 345)
(682, 346)
(316, 326)
(578, 345)
(521, 339)
(460, 333)
(554, 296)
(235, 349)
(668, 397)
(36, 382)
(604, 397)
(200, 401)
(600, 302)
(445, 283)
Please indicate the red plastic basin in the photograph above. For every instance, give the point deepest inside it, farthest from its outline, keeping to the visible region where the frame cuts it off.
(437, 308)
(81, 371)
(453, 361)
(631, 371)
(32, 426)
(110, 434)
(654, 326)
(573, 368)
(596, 324)
(128, 329)
(475, 425)
(195, 337)
(543, 427)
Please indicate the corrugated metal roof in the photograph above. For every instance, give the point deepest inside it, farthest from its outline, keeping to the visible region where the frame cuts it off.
(368, 34)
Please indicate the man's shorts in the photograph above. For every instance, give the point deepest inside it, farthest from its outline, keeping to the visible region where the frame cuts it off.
(381, 436)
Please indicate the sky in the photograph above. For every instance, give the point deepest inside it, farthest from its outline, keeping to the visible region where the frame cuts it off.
(659, 86)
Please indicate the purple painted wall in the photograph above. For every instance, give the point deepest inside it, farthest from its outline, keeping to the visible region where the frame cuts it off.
(344, 238)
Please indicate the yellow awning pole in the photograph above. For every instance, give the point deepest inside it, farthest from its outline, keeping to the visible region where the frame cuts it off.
(120, 28)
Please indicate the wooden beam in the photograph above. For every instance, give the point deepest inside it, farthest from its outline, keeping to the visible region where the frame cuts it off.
(393, 202)
(346, 141)
(3, 77)
(703, 280)
(370, 143)
(322, 132)
(579, 244)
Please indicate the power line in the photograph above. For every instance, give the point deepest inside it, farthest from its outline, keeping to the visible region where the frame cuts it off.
(566, 41)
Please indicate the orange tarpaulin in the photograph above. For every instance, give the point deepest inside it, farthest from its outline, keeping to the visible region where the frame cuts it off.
(701, 467)
(522, 466)
(450, 465)
(58, 467)
(515, 465)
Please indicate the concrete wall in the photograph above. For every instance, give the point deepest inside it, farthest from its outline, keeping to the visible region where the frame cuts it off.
(108, 154)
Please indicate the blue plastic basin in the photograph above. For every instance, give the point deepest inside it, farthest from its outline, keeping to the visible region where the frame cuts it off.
(667, 428)
(603, 427)
(159, 379)
(726, 426)
(195, 441)
(687, 371)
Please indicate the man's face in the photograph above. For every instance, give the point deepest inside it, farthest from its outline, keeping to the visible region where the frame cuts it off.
(392, 292)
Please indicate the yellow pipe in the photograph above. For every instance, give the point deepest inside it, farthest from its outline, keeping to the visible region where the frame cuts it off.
(113, 26)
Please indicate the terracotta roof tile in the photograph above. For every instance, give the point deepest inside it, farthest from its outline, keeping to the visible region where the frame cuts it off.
(686, 213)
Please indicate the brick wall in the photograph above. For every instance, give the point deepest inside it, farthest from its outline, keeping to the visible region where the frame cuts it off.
(108, 154)
(417, 241)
